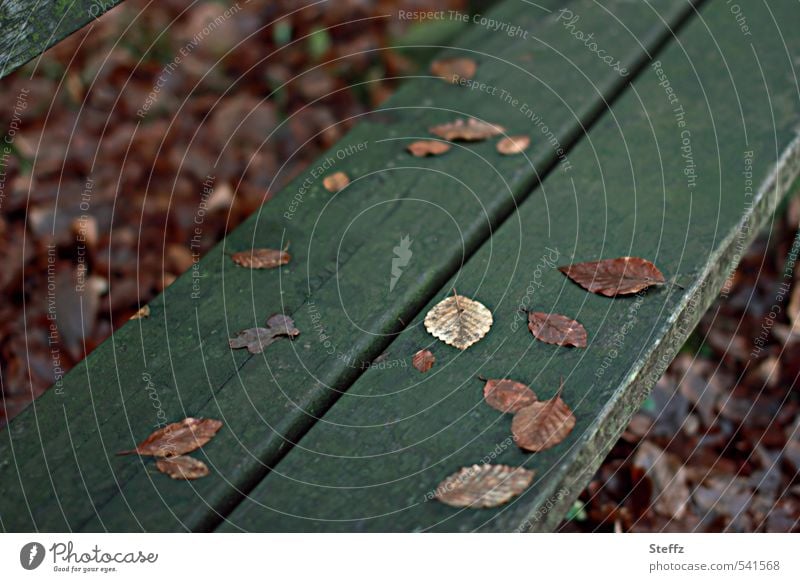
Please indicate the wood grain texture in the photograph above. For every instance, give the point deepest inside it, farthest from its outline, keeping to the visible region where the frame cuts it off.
(57, 468)
(375, 461)
(30, 27)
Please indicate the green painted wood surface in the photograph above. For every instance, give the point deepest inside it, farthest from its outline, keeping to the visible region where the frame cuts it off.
(386, 444)
(30, 27)
(57, 465)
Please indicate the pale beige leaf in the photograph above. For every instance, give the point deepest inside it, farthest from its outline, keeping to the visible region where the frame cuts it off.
(458, 321)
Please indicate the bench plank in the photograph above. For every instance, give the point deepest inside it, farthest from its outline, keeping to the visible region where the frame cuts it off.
(643, 184)
(30, 27)
(59, 454)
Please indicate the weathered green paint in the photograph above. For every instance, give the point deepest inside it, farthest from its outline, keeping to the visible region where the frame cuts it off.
(386, 444)
(58, 469)
(30, 27)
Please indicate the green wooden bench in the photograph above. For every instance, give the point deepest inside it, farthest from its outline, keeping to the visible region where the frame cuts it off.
(336, 431)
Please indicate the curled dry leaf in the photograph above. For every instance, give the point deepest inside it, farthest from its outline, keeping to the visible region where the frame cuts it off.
(428, 147)
(483, 486)
(336, 182)
(553, 328)
(543, 424)
(177, 438)
(256, 339)
(423, 360)
(261, 258)
(183, 467)
(143, 313)
(470, 130)
(458, 321)
(516, 144)
(451, 70)
(611, 277)
(508, 395)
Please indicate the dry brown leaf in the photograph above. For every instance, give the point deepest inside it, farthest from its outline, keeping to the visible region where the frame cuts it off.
(256, 339)
(543, 424)
(508, 146)
(336, 182)
(507, 395)
(483, 485)
(423, 360)
(611, 277)
(177, 438)
(451, 70)
(428, 147)
(458, 321)
(470, 130)
(143, 313)
(183, 467)
(553, 328)
(261, 258)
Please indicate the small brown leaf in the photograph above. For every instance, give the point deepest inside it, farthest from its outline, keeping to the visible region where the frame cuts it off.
(470, 130)
(516, 144)
(458, 321)
(428, 147)
(423, 360)
(177, 438)
(508, 395)
(543, 424)
(256, 339)
(143, 313)
(336, 182)
(483, 486)
(261, 258)
(553, 328)
(183, 467)
(451, 70)
(611, 277)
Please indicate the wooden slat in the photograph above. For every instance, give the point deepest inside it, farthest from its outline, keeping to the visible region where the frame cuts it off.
(60, 472)
(643, 184)
(30, 27)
